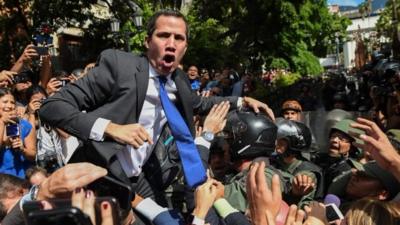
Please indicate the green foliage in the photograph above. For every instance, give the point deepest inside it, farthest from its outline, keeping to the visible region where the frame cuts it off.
(277, 63)
(386, 28)
(306, 63)
(282, 34)
(284, 79)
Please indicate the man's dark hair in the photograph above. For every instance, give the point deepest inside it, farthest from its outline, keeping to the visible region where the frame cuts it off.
(10, 186)
(151, 25)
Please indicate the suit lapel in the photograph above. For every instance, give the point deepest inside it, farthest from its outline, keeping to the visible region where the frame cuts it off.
(142, 82)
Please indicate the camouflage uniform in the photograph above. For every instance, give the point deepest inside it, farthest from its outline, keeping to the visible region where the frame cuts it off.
(304, 168)
(235, 189)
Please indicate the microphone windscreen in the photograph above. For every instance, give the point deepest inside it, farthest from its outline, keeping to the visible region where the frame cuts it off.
(332, 199)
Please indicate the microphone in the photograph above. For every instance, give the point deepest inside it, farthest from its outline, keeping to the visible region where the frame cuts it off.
(332, 199)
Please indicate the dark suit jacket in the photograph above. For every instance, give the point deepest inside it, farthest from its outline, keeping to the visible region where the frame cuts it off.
(115, 89)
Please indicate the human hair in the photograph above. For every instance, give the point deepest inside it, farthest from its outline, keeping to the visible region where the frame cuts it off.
(33, 170)
(371, 212)
(151, 25)
(10, 187)
(5, 91)
(34, 89)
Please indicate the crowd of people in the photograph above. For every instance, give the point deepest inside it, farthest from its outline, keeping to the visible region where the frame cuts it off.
(136, 140)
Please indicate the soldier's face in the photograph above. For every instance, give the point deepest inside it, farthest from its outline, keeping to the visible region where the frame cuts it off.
(361, 185)
(291, 115)
(281, 146)
(167, 45)
(339, 144)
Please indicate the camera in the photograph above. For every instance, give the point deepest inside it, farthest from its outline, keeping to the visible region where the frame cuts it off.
(48, 161)
(21, 78)
(63, 82)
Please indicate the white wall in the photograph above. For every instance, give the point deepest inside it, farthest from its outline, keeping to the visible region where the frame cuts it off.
(349, 49)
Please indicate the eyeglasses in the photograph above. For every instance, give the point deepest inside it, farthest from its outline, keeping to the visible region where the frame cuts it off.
(341, 137)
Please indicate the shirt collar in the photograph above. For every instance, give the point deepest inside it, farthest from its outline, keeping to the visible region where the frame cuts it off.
(153, 73)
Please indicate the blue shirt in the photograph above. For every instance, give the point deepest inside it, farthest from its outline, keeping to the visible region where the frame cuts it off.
(14, 162)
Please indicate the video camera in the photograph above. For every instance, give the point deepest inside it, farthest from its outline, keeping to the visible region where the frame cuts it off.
(386, 80)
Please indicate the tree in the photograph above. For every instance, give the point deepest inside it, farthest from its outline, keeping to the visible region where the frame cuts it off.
(388, 25)
(253, 32)
(223, 32)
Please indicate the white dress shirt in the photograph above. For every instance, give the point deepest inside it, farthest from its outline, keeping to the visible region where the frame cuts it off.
(152, 118)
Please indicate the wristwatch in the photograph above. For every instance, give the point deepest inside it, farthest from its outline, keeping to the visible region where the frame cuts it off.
(33, 192)
(208, 136)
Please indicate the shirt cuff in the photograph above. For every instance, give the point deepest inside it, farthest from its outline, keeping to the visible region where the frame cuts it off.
(150, 209)
(239, 103)
(202, 141)
(98, 129)
(224, 208)
(197, 221)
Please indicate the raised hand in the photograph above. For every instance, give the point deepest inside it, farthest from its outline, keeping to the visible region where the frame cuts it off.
(302, 185)
(216, 118)
(264, 203)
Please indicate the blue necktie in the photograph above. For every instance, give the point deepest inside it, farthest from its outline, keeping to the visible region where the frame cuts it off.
(193, 168)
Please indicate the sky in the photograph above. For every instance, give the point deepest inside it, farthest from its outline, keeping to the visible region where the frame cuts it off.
(345, 2)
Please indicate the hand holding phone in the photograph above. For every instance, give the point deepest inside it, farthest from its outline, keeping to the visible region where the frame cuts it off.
(32, 208)
(108, 186)
(70, 216)
(13, 130)
(333, 213)
(41, 50)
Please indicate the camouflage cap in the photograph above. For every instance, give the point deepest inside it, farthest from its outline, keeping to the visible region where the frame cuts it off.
(387, 179)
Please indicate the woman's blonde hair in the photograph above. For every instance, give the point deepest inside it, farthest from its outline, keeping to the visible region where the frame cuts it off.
(372, 212)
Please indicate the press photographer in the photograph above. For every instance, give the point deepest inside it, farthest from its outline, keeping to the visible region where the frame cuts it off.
(49, 146)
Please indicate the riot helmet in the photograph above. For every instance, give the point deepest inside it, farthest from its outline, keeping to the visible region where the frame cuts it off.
(250, 135)
(297, 134)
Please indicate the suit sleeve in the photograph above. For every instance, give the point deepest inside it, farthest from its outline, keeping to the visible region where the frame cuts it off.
(202, 105)
(64, 109)
(14, 217)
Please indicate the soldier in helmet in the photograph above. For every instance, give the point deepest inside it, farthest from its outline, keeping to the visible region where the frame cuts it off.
(291, 110)
(251, 137)
(367, 180)
(342, 154)
(293, 138)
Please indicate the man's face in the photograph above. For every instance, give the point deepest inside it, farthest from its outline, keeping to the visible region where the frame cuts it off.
(193, 73)
(339, 144)
(361, 185)
(281, 146)
(291, 115)
(167, 45)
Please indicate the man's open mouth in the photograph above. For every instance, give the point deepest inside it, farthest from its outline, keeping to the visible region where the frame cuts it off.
(169, 58)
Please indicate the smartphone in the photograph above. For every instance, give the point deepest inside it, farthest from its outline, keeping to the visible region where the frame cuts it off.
(41, 50)
(61, 216)
(13, 130)
(333, 213)
(32, 206)
(108, 186)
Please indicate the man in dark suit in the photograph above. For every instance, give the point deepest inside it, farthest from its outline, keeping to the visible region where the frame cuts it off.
(120, 96)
